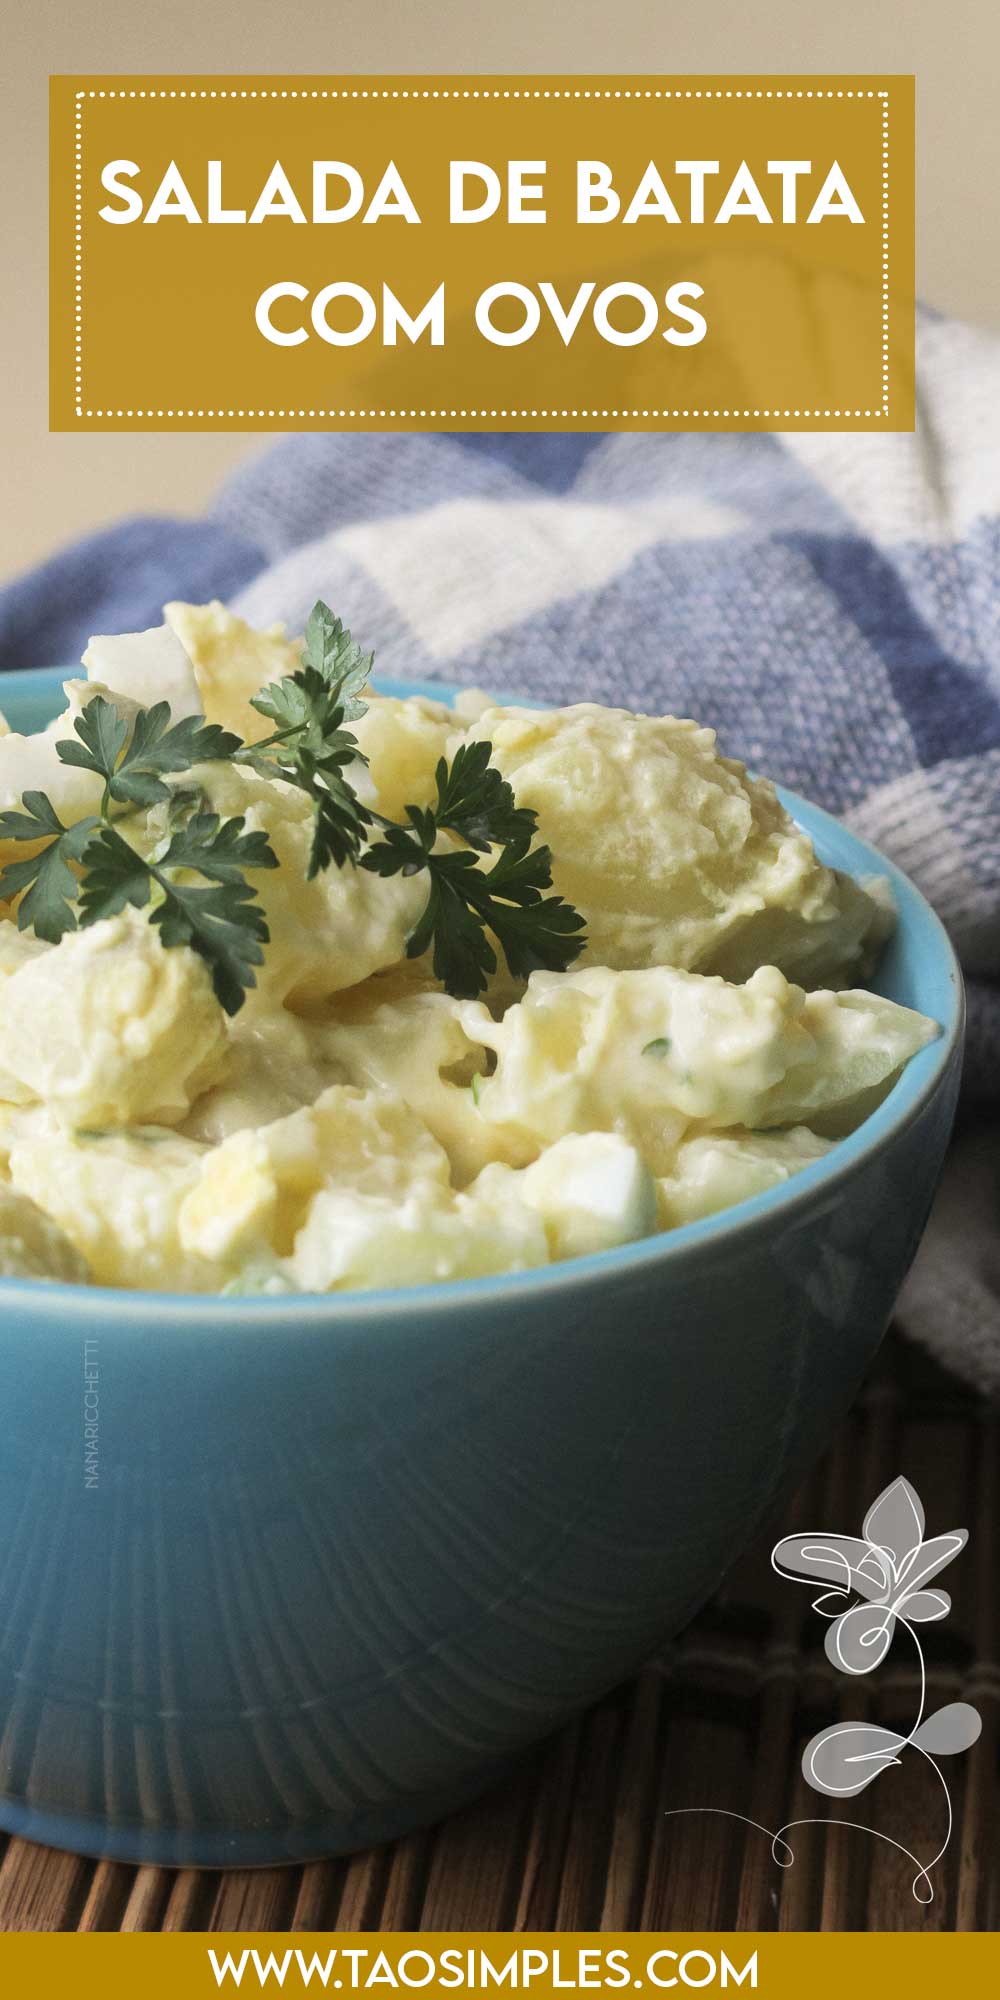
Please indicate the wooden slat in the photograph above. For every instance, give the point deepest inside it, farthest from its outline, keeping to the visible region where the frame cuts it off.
(845, 1852)
(475, 1865)
(189, 1904)
(693, 1859)
(362, 1892)
(638, 1784)
(148, 1899)
(318, 1896)
(404, 1890)
(591, 1821)
(41, 1890)
(255, 1899)
(581, 1835)
(977, 1893)
(547, 1835)
(107, 1897)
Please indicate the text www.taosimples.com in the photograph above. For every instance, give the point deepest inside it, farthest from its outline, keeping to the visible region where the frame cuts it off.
(455, 1969)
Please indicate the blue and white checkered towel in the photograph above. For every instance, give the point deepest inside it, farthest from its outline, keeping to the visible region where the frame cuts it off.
(831, 603)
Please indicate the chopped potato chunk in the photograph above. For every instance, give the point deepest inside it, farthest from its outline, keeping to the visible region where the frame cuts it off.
(715, 1169)
(652, 1054)
(131, 1031)
(231, 662)
(673, 853)
(117, 1196)
(33, 1246)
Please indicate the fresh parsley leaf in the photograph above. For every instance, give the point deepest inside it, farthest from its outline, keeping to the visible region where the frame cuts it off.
(311, 750)
(132, 769)
(332, 653)
(305, 708)
(158, 746)
(463, 957)
(475, 801)
(535, 932)
(219, 848)
(103, 734)
(340, 821)
(659, 1046)
(45, 882)
(223, 923)
(116, 877)
(339, 818)
(465, 900)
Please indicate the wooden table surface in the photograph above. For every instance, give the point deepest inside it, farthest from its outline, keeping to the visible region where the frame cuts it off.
(581, 1836)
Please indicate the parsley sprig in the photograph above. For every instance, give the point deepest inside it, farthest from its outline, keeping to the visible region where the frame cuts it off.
(195, 887)
(222, 922)
(133, 761)
(466, 901)
(310, 748)
(46, 882)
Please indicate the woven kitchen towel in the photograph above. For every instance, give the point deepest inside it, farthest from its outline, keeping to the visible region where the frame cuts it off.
(830, 602)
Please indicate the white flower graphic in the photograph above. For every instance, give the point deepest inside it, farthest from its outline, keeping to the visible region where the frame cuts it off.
(886, 1569)
(874, 1583)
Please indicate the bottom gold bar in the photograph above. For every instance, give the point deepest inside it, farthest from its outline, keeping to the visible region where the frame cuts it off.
(782, 1966)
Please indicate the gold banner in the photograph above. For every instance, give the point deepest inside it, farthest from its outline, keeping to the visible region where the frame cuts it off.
(782, 1966)
(538, 253)
(777, 1965)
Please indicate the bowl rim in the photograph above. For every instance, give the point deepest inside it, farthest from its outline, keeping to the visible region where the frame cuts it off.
(918, 1082)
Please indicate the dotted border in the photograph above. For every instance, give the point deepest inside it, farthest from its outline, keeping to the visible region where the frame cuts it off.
(83, 95)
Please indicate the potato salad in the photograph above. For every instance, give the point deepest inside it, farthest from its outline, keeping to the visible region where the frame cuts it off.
(305, 988)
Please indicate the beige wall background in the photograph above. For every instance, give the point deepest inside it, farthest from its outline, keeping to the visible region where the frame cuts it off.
(57, 487)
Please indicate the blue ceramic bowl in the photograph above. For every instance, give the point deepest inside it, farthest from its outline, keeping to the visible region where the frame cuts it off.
(344, 1556)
